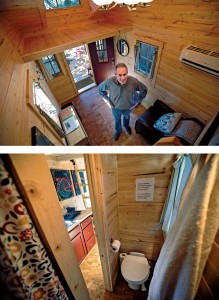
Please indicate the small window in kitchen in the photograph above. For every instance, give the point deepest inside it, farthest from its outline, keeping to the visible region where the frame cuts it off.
(83, 185)
(51, 65)
(102, 51)
(51, 4)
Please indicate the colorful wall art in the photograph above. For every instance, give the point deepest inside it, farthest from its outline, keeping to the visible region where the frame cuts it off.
(63, 183)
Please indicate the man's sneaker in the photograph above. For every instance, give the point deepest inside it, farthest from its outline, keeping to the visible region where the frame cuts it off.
(128, 129)
(116, 136)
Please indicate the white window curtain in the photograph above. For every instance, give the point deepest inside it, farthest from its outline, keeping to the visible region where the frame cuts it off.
(178, 270)
(180, 176)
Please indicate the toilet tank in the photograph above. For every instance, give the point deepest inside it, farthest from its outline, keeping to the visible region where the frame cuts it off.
(137, 254)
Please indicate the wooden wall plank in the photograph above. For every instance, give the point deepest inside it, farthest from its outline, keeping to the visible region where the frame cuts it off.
(16, 118)
(139, 228)
(110, 199)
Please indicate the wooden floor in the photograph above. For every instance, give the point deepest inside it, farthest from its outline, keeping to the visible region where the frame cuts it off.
(98, 121)
(92, 273)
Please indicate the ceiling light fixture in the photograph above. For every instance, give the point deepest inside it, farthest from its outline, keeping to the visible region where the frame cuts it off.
(131, 4)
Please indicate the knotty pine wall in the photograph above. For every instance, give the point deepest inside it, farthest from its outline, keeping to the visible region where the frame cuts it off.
(139, 228)
(177, 24)
(16, 117)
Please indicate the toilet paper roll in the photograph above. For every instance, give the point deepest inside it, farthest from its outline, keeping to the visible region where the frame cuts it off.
(115, 246)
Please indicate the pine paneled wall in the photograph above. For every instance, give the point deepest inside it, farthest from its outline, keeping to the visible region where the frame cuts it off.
(139, 228)
(16, 117)
(174, 24)
(177, 24)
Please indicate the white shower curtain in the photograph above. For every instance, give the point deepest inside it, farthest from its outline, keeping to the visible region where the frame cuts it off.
(183, 256)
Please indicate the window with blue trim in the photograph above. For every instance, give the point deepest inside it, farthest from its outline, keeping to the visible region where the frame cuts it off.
(145, 59)
(51, 65)
(49, 4)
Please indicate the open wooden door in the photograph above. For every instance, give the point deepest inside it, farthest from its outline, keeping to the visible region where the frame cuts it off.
(102, 178)
(102, 59)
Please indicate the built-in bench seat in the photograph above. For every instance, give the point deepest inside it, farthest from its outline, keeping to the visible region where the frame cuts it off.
(189, 130)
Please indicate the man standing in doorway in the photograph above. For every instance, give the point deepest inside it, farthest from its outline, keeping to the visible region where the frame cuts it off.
(123, 93)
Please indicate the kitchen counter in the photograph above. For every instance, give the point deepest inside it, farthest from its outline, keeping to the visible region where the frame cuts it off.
(80, 218)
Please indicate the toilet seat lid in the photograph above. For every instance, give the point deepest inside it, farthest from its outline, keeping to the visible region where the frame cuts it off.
(135, 268)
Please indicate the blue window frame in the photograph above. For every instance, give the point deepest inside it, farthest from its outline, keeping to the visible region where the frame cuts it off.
(51, 65)
(145, 59)
(60, 3)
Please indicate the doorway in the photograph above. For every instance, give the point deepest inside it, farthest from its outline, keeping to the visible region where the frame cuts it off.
(80, 67)
(102, 58)
(77, 191)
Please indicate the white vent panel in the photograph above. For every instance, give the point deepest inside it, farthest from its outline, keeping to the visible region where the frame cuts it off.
(201, 59)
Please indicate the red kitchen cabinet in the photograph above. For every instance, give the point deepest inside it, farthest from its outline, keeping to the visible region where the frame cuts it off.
(83, 238)
(88, 233)
(78, 243)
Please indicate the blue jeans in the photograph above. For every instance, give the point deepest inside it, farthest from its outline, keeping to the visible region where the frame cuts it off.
(118, 113)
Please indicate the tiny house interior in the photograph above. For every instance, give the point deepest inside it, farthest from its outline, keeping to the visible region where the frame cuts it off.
(129, 201)
(59, 52)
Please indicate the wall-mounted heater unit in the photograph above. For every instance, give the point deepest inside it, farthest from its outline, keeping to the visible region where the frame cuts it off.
(202, 59)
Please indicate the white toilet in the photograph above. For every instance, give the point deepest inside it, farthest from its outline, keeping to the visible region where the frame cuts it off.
(135, 270)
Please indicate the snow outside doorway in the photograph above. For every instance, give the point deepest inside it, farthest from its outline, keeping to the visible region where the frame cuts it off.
(80, 67)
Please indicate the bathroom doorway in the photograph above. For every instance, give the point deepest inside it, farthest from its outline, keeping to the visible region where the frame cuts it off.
(89, 259)
(91, 265)
(80, 66)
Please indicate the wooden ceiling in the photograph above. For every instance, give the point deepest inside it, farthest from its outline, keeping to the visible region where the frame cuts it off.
(45, 32)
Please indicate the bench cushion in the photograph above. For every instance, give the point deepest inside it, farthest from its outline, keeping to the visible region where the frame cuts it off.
(187, 130)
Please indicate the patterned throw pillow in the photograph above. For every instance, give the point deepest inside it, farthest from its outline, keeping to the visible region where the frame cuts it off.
(167, 122)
